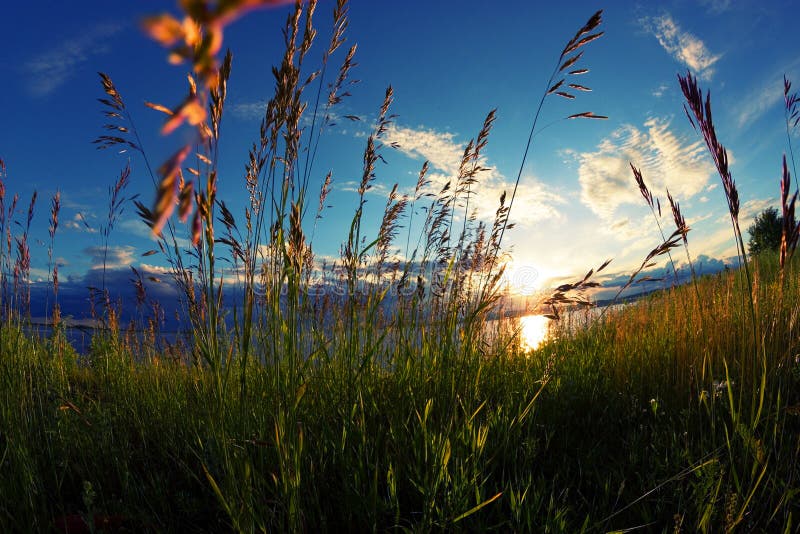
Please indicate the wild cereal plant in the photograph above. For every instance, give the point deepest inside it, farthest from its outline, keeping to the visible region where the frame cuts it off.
(457, 270)
(277, 185)
(680, 226)
(279, 261)
(22, 263)
(355, 250)
(173, 190)
(272, 250)
(5, 246)
(751, 417)
(560, 295)
(653, 203)
(52, 264)
(466, 270)
(565, 61)
(703, 121)
(15, 257)
(791, 113)
(649, 261)
(573, 293)
(124, 137)
(116, 208)
(683, 228)
(790, 228)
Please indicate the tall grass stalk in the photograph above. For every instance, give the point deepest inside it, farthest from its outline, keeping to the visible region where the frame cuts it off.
(5, 244)
(703, 121)
(648, 198)
(791, 114)
(52, 263)
(565, 61)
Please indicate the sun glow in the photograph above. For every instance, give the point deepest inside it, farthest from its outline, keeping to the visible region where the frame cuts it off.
(528, 278)
(522, 279)
(534, 330)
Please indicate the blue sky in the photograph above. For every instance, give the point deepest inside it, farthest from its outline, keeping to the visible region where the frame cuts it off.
(450, 63)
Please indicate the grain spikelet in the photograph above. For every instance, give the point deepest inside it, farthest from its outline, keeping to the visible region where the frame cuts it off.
(789, 226)
(167, 195)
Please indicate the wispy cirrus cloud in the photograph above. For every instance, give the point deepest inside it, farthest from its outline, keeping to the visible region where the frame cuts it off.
(660, 91)
(758, 103)
(253, 111)
(666, 161)
(682, 45)
(716, 6)
(444, 153)
(248, 111)
(767, 95)
(49, 70)
(376, 188)
(749, 210)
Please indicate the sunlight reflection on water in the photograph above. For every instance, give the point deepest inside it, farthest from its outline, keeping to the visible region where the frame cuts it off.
(534, 331)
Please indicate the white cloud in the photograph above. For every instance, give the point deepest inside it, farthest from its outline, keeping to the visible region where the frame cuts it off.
(534, 201)
(681, 45)
(749, 209)
(716, 6)
(438, 148)
(51, 69)
(659, 91)
(79, 224)
(694, 220)
(115, 257)
(135, 226)
(376, 188)
(718, 243)
(665, 161)
(641, 232)
(38, 275)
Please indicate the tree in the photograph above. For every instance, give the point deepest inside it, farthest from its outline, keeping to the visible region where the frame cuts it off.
(765, 232)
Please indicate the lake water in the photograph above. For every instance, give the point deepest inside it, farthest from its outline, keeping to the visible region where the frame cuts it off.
(533, 330)
(536, 329)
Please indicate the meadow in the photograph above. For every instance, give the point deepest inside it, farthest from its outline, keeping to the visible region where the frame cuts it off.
(387, 405)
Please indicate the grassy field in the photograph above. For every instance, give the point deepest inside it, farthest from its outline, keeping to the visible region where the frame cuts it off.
(660, 416)
(386, 405)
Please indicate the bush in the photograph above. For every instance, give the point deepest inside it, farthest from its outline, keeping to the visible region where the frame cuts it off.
(765, 232)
